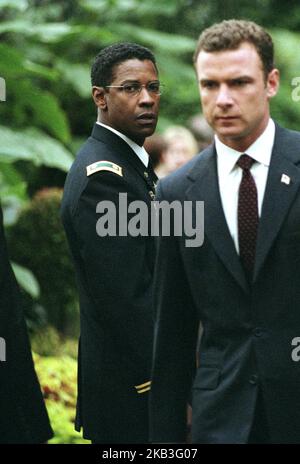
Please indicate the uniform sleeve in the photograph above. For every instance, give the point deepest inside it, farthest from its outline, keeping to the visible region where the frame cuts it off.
(117, 273)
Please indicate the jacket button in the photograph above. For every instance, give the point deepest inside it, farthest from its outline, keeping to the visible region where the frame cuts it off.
(253, 379)
(258, 331)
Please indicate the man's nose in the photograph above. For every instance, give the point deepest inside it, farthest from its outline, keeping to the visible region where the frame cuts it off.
(224, 97)
(146, 97)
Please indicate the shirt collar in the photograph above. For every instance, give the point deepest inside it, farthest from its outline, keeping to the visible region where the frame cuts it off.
(140, 151)
(260, 150)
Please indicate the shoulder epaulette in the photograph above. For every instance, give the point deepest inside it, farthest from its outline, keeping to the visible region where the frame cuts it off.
(103, 166)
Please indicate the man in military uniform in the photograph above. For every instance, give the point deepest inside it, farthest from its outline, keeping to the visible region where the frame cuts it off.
(114, 270)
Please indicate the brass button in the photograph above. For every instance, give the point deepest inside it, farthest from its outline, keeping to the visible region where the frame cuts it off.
(253, 379)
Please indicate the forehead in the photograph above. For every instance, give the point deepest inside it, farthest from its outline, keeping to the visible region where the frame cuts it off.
(135, 70)
(229, 63)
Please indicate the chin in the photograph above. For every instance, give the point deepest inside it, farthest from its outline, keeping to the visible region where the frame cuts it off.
(229, 134)
(148, 132)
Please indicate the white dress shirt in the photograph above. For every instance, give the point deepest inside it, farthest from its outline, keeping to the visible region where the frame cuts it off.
(140, 151)
(230, 175)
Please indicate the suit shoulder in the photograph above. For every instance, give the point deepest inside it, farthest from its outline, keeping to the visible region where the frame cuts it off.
(95, 151)
(91, 151)
(288, 133)
(287, 142)
(94, 158)
(179, 180)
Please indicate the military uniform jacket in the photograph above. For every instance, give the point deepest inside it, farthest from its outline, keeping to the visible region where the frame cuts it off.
(115, 287)
(248, 330)
(23, 416)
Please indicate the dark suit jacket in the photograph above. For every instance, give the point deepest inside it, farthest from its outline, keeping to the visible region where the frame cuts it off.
(115, 287)
(23, 416)
(247, 330)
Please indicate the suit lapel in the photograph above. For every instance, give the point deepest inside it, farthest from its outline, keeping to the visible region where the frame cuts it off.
(205, 187)
(278, 195)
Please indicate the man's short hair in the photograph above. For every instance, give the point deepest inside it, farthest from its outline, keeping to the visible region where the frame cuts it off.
(102, 72)
(230, 34)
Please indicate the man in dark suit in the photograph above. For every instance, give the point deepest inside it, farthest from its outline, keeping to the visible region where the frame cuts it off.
(243, 283)
(114, 268)
(23, 416)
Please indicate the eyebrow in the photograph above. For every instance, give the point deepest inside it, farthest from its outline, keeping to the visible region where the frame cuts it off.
(136, 81)
(238, 78)
(130, 80)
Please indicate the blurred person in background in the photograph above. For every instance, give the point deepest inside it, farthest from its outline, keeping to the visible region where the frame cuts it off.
(181, 146)
(201, 130)
(155, 146)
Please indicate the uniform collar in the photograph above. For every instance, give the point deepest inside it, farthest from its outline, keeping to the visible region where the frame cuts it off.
(139, 151)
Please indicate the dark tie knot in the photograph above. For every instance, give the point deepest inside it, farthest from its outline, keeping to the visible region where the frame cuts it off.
(245, 162)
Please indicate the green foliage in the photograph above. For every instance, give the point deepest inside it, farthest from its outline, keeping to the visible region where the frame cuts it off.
(56, 366)
(26, 280)
(77, 75)
(35, 106)
(19, 4)
(49, 342)
(32, 145)
(57, 376)
(12, 191)
(37, 241)
(162, 41)
(49, 47)
(283, 108)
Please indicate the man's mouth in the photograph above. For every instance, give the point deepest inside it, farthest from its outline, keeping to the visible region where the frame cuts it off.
(147, 117)
(226, 118)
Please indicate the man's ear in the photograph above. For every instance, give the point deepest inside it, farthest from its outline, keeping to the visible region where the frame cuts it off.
(99, 97)
(273, 83)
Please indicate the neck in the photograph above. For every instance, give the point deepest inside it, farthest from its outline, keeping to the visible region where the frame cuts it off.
(139, 141)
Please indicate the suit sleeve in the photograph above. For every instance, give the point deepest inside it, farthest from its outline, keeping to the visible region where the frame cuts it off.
(23, 417)
(176, 331)
(117, 273)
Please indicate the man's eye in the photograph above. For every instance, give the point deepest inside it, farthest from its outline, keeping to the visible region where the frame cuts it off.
(154, 87)
(209, 85)
(239, 82)
(131, 88)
